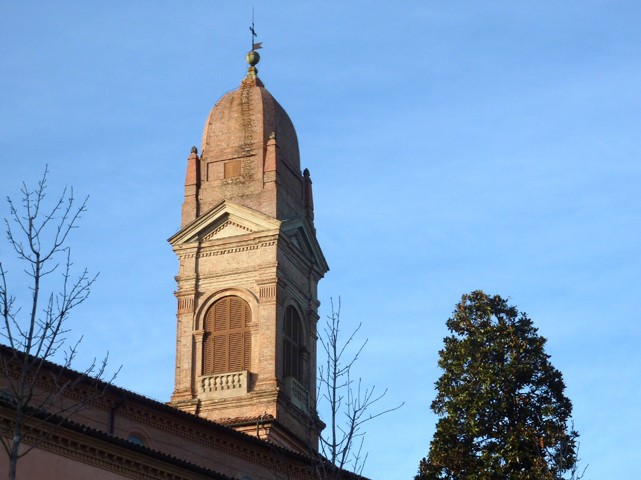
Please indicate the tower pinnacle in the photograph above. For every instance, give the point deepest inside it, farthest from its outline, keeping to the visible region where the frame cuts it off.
(252, 56)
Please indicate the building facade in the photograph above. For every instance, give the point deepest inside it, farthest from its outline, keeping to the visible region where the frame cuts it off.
(243, 404)
(249, 269)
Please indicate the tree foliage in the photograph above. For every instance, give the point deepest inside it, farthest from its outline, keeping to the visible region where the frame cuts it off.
(501, 405)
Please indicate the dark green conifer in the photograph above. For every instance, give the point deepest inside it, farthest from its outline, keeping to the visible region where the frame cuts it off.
(502, 409)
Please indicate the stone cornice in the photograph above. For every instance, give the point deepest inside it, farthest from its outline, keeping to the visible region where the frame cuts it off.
(242, 217)
(98, 449)
(164, 417)
(302, 229)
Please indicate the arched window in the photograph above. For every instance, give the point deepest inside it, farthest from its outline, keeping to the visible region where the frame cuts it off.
(227, 339)
(136, 439)
(293, 346)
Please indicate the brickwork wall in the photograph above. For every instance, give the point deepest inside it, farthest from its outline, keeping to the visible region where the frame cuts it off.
(249, 158)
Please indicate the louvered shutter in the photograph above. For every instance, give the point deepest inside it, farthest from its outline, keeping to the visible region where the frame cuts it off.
(287, 357)
(227, 343)
(236, 354)
(247, 344)
(235, 314)
(220, 356)
(292, 345)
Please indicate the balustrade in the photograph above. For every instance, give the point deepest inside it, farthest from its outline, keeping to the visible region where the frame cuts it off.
(228, 384)
(297, 393)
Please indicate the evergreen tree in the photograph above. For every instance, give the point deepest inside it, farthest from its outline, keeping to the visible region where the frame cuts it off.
(502, 409)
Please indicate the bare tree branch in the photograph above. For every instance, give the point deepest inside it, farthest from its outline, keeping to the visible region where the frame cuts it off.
(349, 402)
(37, 235)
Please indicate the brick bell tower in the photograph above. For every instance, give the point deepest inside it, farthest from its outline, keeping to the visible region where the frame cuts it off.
(249, 269)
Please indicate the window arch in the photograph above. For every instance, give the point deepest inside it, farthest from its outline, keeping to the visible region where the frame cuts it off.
(227, 338)
(294, 351)
(136, 439)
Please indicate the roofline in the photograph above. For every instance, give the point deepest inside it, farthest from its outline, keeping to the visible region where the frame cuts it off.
(61, 423)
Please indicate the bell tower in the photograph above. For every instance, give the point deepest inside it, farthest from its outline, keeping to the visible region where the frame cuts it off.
(249, 269)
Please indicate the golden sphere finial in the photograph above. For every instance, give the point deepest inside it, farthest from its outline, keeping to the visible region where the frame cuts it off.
(252, 58)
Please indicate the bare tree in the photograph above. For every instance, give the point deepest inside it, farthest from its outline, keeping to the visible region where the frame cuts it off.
(36, 390)
(351, 404)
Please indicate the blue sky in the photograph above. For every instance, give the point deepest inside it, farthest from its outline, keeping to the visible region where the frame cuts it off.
(453, 146)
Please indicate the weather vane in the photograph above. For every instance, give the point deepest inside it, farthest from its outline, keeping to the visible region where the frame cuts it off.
(255, 45)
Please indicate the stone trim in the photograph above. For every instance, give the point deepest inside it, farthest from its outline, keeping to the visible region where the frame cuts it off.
(185, 304)
(230, 447)
(267, 292)
(226, 251)
(224, 385)
(111, 454)
(228, 223)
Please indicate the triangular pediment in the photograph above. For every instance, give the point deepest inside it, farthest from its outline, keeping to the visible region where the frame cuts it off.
(223, 221)
(303, 237)
(228, 228)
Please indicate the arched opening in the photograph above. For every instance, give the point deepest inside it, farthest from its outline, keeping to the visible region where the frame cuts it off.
(227, 338)
(294, 351)
(136, 440)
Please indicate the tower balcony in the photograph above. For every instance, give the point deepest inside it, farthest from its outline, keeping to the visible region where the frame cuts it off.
(298, 394)
(224, 385)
